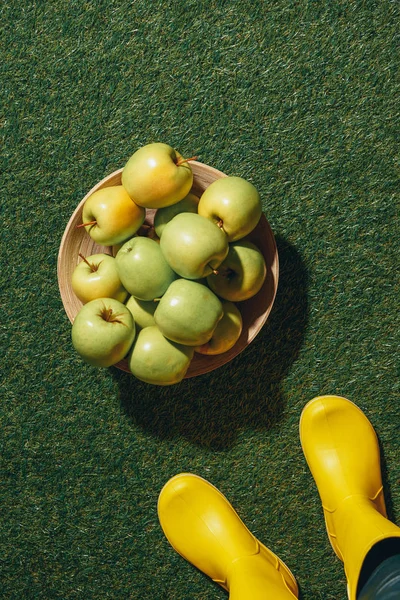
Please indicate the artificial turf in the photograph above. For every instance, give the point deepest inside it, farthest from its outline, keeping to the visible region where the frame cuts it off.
(302, 99)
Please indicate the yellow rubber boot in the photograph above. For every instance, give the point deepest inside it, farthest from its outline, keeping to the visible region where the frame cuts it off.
(202, 526)
(342, 452)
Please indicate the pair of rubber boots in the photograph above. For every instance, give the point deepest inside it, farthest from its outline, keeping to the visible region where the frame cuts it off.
(342, 452)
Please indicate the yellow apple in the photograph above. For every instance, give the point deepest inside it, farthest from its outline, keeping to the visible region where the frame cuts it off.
(97, 276)
(227, 332)
(156, 175)
(111, 217)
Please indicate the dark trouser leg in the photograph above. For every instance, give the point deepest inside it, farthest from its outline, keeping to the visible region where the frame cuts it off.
(380, 575)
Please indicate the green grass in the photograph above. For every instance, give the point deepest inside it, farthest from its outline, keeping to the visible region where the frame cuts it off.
(302, 99)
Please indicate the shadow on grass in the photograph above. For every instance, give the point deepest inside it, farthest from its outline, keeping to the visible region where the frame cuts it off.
(212, 409)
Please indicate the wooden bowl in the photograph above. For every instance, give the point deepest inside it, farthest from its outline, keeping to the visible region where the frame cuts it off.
(254, 311)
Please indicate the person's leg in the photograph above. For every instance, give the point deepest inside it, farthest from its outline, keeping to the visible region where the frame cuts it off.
(380, 574)
(202, 526)
(341, 449)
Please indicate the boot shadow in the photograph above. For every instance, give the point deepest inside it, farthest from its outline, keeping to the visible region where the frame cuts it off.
(210, 410)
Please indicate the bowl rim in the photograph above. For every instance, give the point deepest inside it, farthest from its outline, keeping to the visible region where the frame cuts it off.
(201, 364)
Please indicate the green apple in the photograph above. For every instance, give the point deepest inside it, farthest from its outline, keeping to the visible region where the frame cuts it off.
(193, 245)
(164, 215)
(234, 204)
(96, 276)
(242, 273)
(142, 312)
(157, 360)
(103, 332)
(142, 268)
(226, 333)
(156, 175)
(188, 312)
(110, 216)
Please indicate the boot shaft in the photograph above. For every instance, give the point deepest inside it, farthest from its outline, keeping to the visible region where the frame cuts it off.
(354, 529)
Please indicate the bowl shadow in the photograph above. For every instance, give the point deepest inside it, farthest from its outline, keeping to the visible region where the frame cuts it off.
(212, 409)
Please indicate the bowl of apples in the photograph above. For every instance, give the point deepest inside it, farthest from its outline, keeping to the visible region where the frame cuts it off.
(167, 268)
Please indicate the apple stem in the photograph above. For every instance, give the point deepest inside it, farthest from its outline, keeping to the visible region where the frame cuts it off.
(146, 230)
(86, 224)
(220, 224)
(182, 160)
(93, 268)
(214, 271)
(108, 315)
